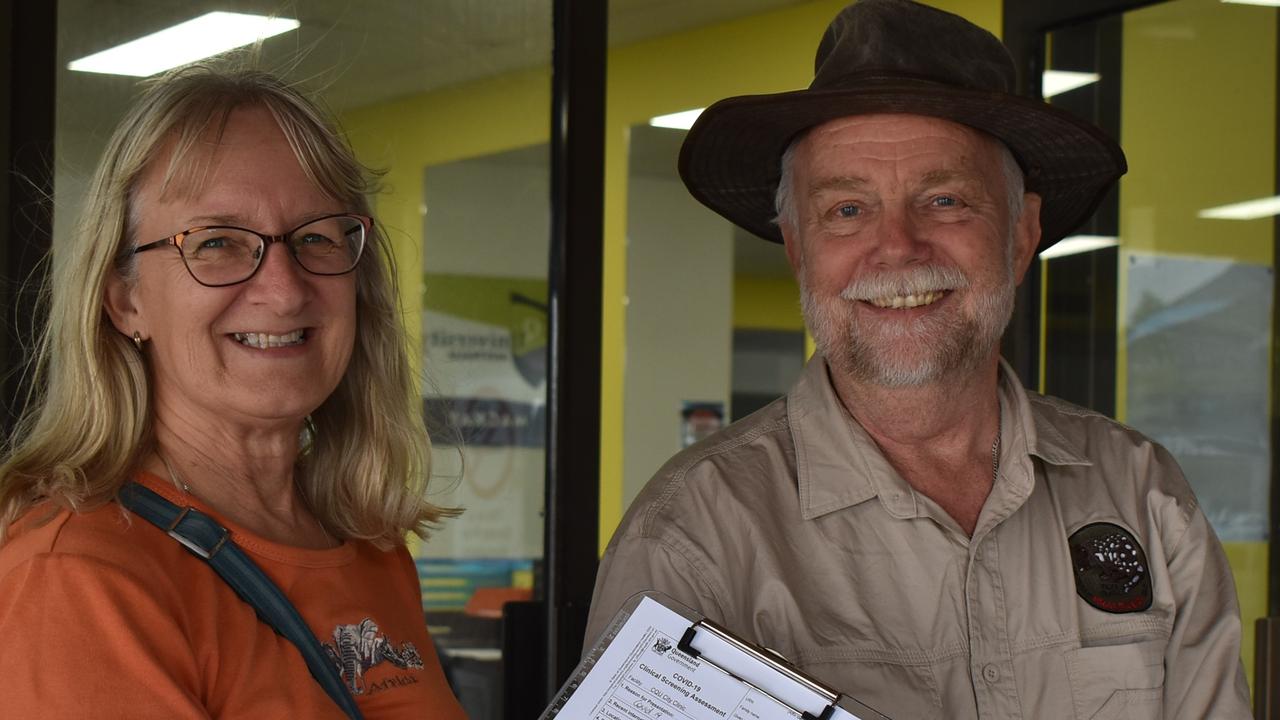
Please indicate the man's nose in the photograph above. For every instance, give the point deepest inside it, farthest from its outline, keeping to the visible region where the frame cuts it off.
(898, 239)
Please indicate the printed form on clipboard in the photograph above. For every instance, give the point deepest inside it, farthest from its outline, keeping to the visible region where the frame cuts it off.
(659, 660)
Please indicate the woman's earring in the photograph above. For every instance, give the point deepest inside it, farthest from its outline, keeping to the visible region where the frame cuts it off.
(137, 340)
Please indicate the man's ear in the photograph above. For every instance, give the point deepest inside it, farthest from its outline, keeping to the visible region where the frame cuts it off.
(1026, 236)
(791, 243)
(120, 302)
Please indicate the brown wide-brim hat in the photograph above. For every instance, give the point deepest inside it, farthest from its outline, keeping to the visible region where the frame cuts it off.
(897, 56)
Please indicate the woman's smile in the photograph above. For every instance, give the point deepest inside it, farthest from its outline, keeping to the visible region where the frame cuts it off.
(265, 340)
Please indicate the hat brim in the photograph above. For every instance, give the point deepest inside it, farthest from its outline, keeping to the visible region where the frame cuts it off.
(730, 158)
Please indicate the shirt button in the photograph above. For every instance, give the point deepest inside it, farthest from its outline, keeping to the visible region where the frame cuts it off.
(990, 673)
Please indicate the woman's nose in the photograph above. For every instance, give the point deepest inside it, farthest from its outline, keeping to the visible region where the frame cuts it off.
(279, 278)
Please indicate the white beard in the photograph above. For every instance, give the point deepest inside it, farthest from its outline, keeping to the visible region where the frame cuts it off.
(910, 353)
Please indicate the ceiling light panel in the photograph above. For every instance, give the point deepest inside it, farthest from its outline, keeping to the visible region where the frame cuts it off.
(1247, 210)
(1056, 82)
(1078, 244)
(677, 121)
(196, 39)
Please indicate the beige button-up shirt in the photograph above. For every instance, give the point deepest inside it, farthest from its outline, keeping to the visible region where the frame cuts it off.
(791, 529)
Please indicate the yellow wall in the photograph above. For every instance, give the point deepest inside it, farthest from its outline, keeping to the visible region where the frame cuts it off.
(765, 303)
(1249, 565)
(1198, 125)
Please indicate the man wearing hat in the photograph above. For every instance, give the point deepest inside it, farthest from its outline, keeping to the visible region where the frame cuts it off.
(909, 524)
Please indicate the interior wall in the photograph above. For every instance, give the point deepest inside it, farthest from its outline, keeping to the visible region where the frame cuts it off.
(766, 303)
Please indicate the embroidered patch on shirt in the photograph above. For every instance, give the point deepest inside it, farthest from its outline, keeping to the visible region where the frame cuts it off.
(1111, 568)
(358, 648)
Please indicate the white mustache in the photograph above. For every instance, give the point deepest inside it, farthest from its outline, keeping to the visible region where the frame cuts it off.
(915, 281)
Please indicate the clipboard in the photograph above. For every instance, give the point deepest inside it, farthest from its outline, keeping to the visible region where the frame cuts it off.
(661, 659)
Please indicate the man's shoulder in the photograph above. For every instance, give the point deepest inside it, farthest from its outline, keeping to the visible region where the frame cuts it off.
(744, 456)
(767, 427)
(1113, 453)
(1083, 428)
(1055, 407)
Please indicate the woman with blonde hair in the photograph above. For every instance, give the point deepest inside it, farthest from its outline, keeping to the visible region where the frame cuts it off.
(204, 512)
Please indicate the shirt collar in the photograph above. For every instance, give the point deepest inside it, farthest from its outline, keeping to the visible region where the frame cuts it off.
(838, 465)
(1040, 436)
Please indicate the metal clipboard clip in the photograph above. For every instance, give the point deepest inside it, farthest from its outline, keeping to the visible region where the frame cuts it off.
(649, 615)
(786, 684)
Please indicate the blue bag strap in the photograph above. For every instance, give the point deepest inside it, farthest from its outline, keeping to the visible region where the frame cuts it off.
(212, 543)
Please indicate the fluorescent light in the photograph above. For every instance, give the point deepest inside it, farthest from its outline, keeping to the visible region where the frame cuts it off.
(1056, 82)
(677, 121)
(1248, 210)
(202, 37)
(1264, 3)
(1078, 244)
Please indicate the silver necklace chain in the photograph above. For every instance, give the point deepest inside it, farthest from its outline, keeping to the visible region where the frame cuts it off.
(995, 449)
(173, 475)
(178, 481)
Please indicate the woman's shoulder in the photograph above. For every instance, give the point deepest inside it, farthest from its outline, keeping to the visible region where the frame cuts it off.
(89, 605)
(106, 536)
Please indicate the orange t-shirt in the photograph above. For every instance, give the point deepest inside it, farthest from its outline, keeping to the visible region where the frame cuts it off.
(103, 615)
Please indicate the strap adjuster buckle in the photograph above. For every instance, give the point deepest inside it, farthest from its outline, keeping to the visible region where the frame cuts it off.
(192, 545)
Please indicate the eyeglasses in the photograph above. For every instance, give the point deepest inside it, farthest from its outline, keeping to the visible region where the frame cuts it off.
(217, 256)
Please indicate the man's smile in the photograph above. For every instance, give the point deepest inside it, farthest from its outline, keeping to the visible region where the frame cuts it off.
(907, 301)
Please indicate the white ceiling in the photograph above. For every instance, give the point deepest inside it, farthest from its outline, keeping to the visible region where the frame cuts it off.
(364, 52)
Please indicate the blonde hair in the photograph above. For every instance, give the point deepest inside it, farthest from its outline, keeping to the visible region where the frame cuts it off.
(366, 462)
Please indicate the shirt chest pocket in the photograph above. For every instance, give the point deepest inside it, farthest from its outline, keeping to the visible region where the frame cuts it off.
(1117, 682)
(898, 691)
